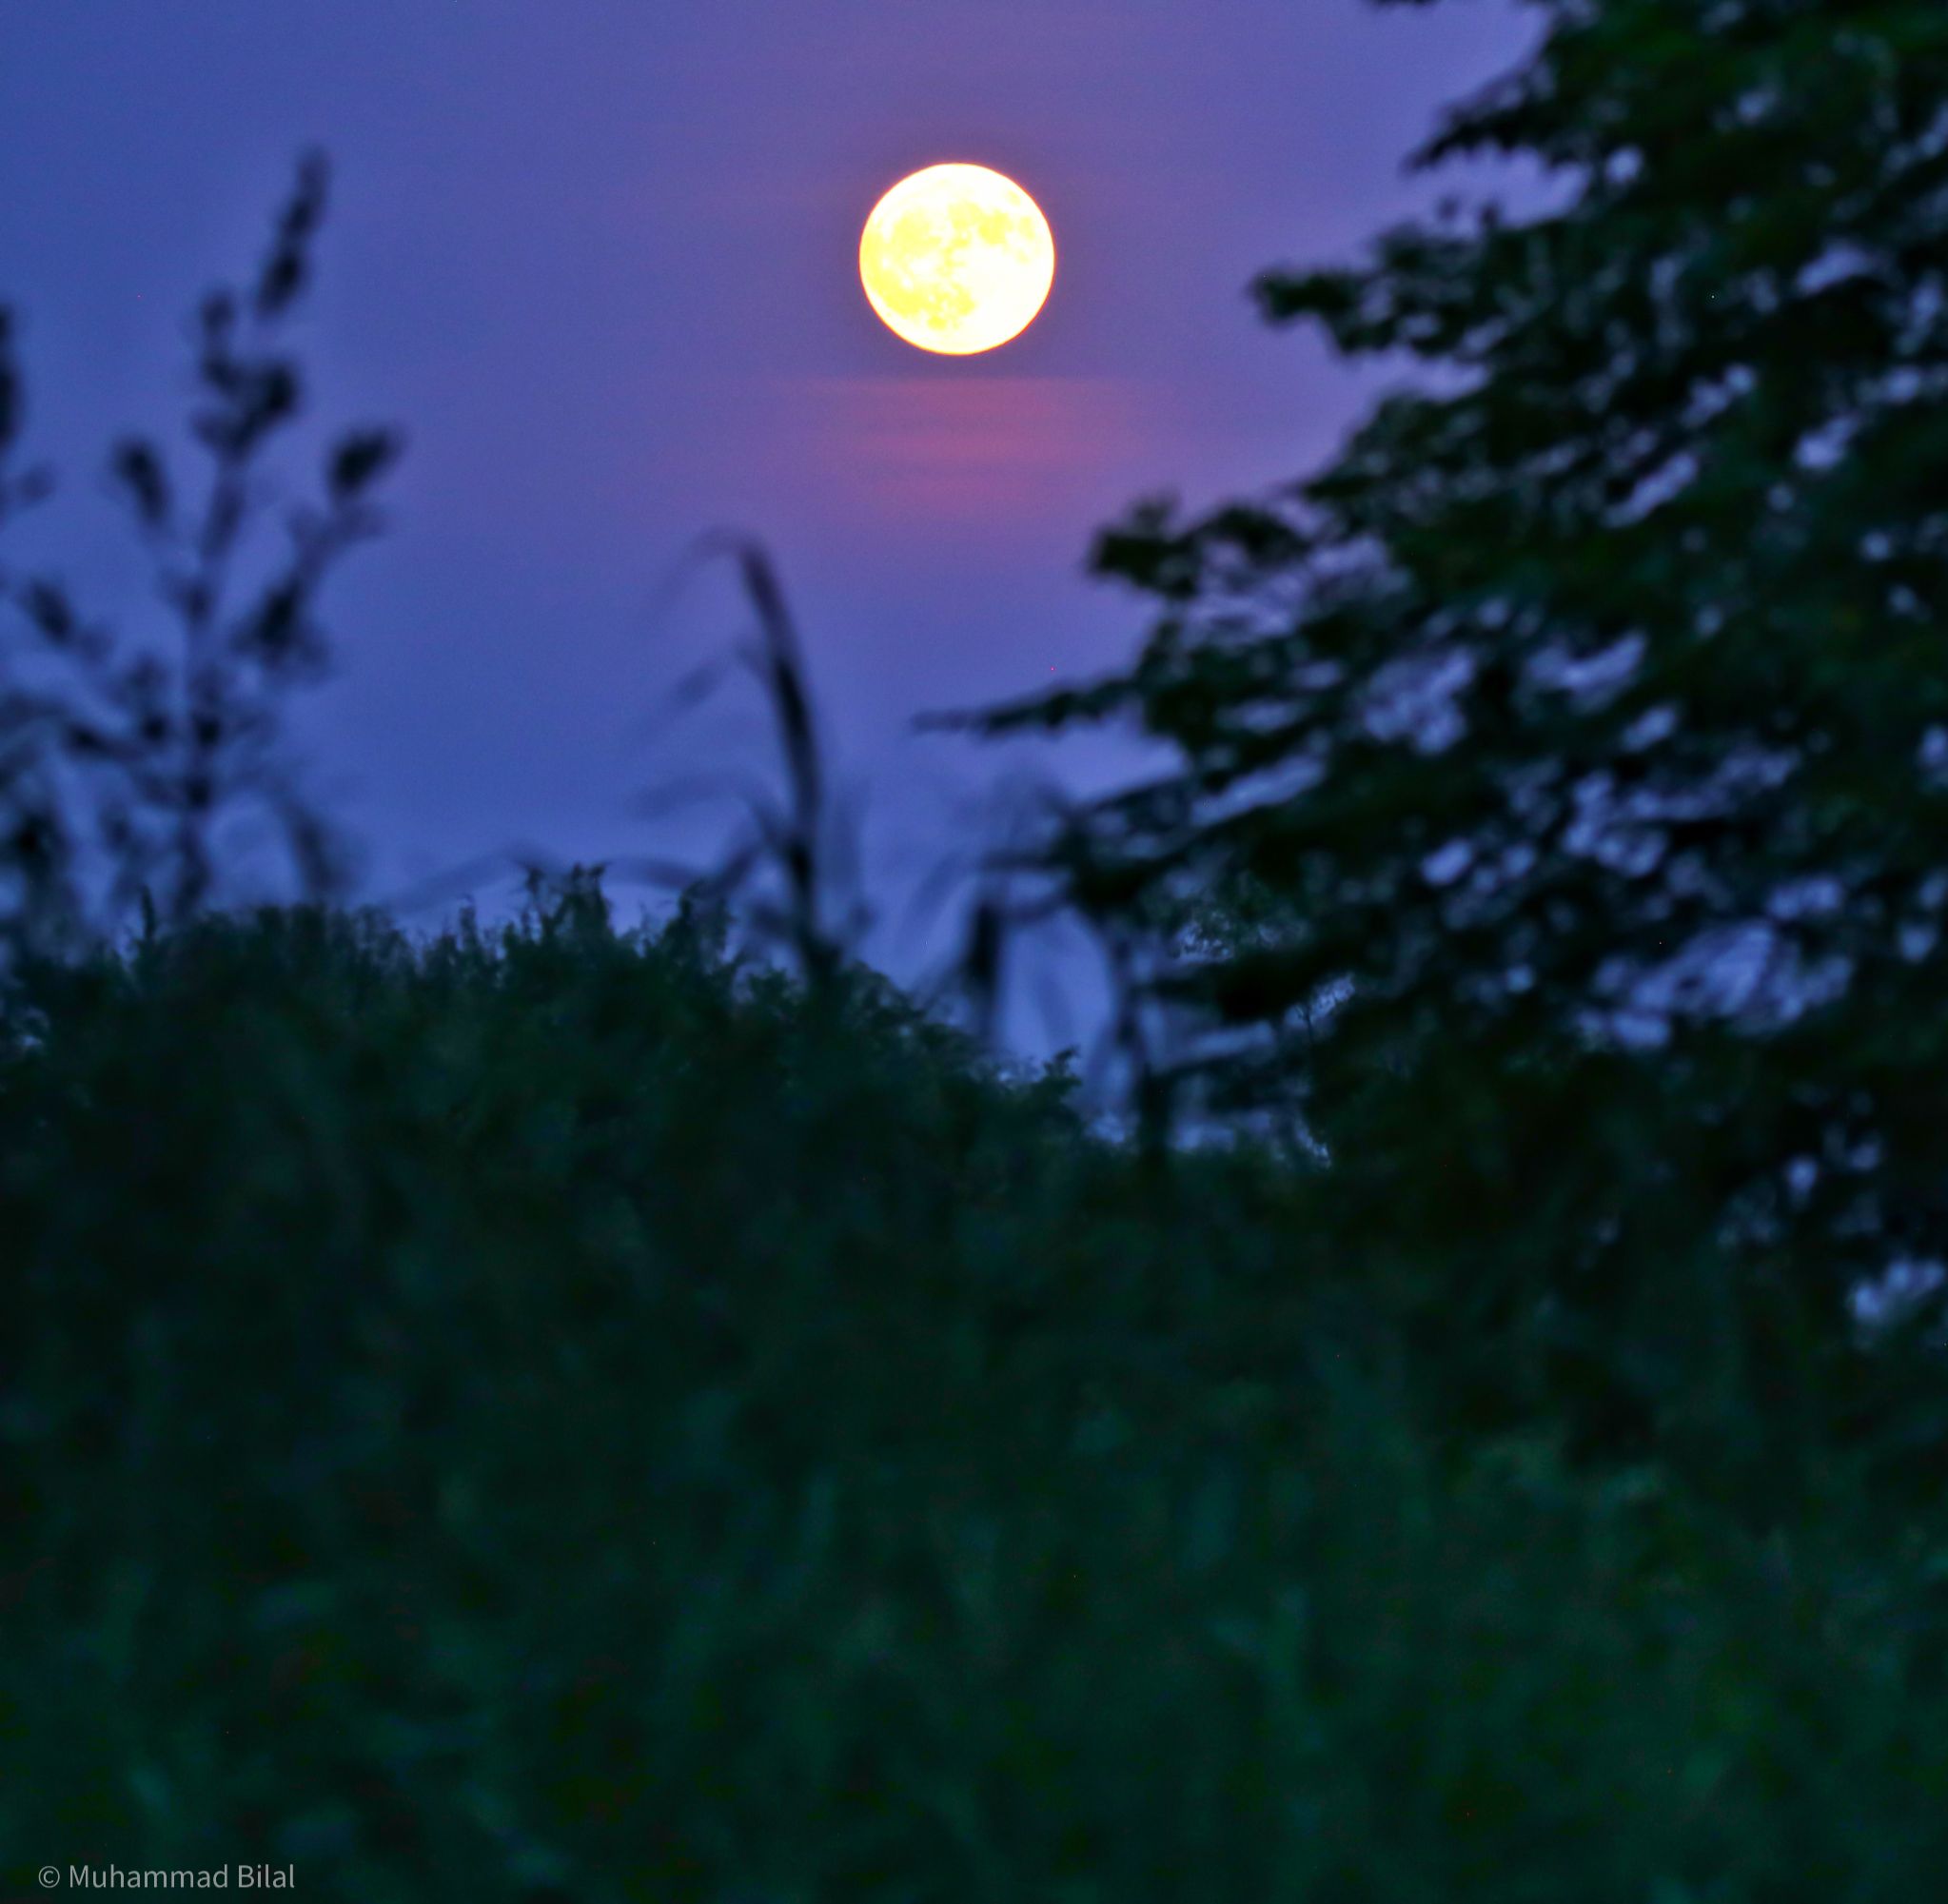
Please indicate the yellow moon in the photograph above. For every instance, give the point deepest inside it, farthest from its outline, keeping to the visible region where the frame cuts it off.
(956, 258)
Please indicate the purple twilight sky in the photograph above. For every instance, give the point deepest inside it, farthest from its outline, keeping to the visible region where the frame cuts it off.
(599, 258)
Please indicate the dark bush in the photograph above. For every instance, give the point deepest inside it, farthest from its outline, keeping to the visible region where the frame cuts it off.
(549, 1413)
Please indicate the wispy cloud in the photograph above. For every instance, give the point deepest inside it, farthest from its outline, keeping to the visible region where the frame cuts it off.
(957, 443)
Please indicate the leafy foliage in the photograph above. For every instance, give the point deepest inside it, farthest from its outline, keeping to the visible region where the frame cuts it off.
(122, 765)
(557, 1414)
(564, 1412)
(1578, 732)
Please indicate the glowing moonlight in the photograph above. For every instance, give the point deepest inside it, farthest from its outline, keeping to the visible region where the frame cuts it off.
(956, 258)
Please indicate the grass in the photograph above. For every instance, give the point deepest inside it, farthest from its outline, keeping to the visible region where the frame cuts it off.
(558, 1414)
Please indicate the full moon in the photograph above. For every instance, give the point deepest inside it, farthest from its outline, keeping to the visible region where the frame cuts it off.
(956, 258)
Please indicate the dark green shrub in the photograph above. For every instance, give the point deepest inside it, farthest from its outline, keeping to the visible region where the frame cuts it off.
(549, 1414)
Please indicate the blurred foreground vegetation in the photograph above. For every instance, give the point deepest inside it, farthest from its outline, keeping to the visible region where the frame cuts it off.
(564, 1412)
(557, 1413)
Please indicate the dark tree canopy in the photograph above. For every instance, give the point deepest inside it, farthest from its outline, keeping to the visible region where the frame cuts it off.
(1582, 728)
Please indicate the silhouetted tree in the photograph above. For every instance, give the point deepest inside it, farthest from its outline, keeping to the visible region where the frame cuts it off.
(1580, 734)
